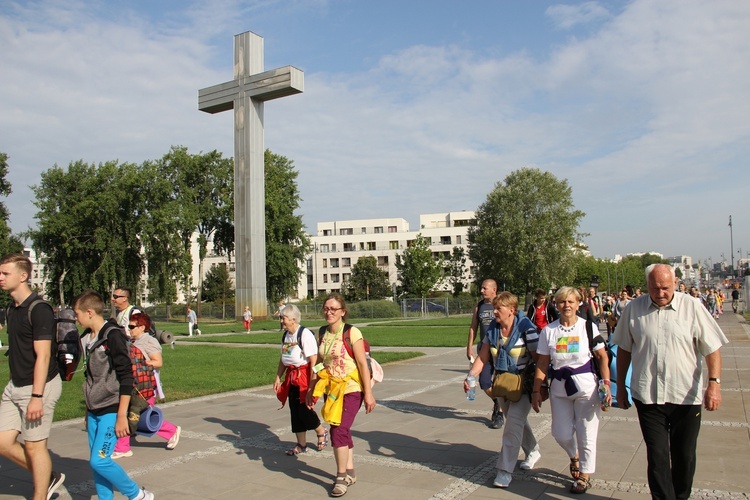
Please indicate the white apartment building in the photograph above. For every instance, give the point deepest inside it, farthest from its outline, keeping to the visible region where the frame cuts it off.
(337, 246)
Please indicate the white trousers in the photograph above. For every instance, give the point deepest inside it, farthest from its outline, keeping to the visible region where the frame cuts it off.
(575, 426)
(192, 328)
(517, 433)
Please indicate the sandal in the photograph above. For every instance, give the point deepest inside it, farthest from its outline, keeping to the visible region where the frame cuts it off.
(322, 440)
(339, 487)
(298, 448)
(575, 468)
(581, 485)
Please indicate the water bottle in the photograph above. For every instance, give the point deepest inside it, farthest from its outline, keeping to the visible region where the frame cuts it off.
(603, 391)
(472, 392)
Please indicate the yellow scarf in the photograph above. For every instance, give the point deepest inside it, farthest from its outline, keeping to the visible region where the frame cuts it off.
(334, 389)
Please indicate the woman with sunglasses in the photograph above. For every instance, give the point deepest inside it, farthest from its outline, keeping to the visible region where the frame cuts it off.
(138, 327)
(340, 373)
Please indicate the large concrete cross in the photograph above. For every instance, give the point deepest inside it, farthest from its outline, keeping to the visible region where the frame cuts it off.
(246, 93)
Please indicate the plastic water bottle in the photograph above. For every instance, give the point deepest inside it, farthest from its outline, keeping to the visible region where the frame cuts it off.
(603, 391)
(472, 392)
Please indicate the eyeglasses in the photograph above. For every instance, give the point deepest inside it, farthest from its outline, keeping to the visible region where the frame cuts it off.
(118, 296)
(132, 327)
(327, 310)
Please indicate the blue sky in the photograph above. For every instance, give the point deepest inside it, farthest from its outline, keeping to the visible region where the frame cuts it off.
(411, 106)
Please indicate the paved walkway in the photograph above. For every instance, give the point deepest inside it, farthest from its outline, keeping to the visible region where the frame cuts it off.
(424, 440)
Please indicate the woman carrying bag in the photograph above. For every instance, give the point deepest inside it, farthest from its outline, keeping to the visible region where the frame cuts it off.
(510, 345)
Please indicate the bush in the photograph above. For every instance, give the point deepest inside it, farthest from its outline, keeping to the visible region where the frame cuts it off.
(374, 309)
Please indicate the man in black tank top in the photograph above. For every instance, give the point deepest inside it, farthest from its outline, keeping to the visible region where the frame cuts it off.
(480, 321)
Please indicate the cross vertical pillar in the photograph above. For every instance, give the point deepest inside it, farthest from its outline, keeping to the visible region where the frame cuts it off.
(246, 94)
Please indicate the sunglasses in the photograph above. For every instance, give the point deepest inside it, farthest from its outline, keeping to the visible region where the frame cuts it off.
(132, 327)
(118, 296)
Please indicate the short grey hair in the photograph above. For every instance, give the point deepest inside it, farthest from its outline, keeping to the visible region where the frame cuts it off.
(292, 312)
(650, 269)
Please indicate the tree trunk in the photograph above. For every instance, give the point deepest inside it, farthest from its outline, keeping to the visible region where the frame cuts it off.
(60, 287)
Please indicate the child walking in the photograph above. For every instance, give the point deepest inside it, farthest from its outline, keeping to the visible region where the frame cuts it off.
(107, 389)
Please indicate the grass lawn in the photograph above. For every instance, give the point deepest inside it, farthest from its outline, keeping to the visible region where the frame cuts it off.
(403, 334)
(194, 371)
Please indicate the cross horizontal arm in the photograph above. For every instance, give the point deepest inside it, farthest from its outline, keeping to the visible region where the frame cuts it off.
(264, 86)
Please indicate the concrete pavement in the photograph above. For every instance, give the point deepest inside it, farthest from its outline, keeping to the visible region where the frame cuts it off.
(424, 440)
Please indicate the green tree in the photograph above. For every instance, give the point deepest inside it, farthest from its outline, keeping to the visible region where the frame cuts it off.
(218, 286)
(418, 271)
(8, 242)
(455, 270)
(525, 232)
(88, 227)
(367, 282)
(204, 188)
(287, 245)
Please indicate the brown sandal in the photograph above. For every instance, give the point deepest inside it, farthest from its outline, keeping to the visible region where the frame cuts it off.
(581, 485)
(575, 468)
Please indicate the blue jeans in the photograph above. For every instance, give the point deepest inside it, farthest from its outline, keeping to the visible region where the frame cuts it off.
(108, 475)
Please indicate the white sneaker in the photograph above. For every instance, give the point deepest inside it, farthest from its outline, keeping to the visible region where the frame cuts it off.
(172, 443)
(122, 454)
(144, 494)
(531, 460)
(503, 478)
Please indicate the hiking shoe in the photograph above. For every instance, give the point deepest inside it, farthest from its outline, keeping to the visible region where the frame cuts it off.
(495, 409)
(498, 421)
(531, 460)
(172, 443)
(144, 494)
(122, 454)
(502, 480)
(55, 481)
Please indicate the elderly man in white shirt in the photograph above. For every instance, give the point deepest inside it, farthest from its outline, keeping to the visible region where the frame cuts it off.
(666, 335)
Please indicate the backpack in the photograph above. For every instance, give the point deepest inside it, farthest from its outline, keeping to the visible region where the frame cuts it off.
(143, 374)
(377, 374)
(607, 347)
(67, 347)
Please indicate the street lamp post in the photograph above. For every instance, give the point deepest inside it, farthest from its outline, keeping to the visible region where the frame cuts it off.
(731, 243)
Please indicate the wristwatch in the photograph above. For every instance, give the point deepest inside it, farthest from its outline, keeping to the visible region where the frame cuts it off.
(715, 379)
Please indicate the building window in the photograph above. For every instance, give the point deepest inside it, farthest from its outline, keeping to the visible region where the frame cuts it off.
(364, 230)
(392, 229)
(445, 240)
(324, 248)
(393, 245)
(458, 239)
(334, 278)
(325, 278)
(383, 260)
(361, 245)
(325, 262)
(327, 232)
(348, 247)
(346, 231)
(333, 247)
(378, 229)
(334, 262)
(371, 245)
(347, 277)
(346, 262)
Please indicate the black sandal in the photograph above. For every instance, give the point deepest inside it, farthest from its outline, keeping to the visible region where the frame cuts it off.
(581, 485)
(575, 468)
(298, 448)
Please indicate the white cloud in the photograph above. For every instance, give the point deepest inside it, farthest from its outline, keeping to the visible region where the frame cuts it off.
(644, 113)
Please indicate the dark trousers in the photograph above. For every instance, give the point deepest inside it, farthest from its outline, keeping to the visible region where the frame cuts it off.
(303, 418)
(671, 434)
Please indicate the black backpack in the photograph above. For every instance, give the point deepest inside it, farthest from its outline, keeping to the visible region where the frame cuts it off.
(152, 330)
(607, 347)
(69, 348)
